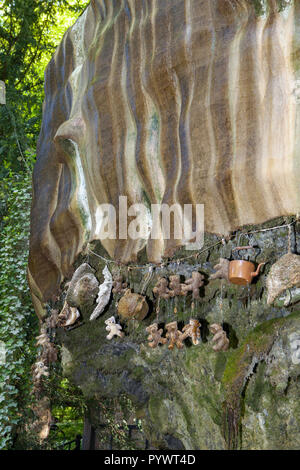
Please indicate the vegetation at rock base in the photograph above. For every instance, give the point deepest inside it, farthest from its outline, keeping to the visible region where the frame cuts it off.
(30, 30)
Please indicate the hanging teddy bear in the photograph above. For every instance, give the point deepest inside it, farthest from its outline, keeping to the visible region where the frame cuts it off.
(192, 330)
(222, 269)
(174, 336)
(155, 337)
(161, 289)
(119, 286)
(193, 284)
(39, 370)
(113, 328)
(220, 338)
(176, 287)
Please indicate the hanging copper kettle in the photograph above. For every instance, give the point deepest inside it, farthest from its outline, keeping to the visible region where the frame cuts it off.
(240, 271)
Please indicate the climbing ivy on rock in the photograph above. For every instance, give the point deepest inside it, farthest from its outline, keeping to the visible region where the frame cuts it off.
(18, 324)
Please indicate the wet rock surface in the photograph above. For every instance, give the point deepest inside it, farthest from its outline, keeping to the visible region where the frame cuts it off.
(195, 398)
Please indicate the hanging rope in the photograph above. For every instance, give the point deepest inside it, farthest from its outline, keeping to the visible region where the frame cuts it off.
(195, 255)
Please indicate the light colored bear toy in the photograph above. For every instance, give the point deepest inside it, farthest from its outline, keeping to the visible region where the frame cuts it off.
(113, 328)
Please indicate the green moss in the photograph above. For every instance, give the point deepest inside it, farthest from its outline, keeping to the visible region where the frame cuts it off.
(220, 365)
(256, 343)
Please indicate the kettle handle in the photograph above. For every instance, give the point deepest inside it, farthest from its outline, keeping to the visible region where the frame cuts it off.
(246, 247)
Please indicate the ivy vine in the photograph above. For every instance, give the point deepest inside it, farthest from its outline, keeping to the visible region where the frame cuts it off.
(18, 324)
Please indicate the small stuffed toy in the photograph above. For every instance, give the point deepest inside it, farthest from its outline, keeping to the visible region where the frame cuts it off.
(161, 289)
(155, 337)
(174, 335)
(193, 284)
(222, 269)
(39, 370)
(176, 286)
(113, 328)
(192, 330)
(119, 287)
(220, 339)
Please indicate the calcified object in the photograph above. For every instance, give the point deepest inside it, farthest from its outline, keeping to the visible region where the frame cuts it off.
(39, 370)
(132, 305)
(42, 339)
(176, 287)
(52, 320)
(242, 272)
(50, 353)
(192, 330)
(155, 338)
(220, 339)
(43, 418)
(164, 102)
(83, 287)
(104, 294)
(161, 289)
(113, 328)
(193, 284)
(119, 287)
(284, 274)
(221, 270)
(68, 316)
(174, 336)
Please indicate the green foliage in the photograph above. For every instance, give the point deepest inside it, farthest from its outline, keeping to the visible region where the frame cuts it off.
(18, 325)
(68, 408)
(116, 415)
(30, 30)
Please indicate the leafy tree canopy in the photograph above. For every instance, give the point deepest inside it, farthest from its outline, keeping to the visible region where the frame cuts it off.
(30, 30)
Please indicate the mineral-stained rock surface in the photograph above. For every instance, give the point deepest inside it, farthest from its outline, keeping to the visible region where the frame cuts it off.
(188, 101)
(195, 398)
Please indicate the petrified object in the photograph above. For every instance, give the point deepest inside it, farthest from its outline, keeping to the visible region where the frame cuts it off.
(174, 336)
(104, 294)
(222, 269)
(132, 305)
(43, 415)
(192, 330)
(175, 286)
(242, 272)
(119, 287)
(155, 337)
(39, 370)
(83, 287)
(284, 274)
(217, 133)
(42, 339)
(220, 338)
(49, 353)
(113, 328)
(161, 289)
(52, 320)
(193, 284)
(68, 316)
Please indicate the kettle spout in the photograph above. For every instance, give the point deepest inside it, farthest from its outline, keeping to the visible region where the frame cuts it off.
(255, 273)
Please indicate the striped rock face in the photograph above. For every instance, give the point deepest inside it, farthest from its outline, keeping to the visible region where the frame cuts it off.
(173, 101)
